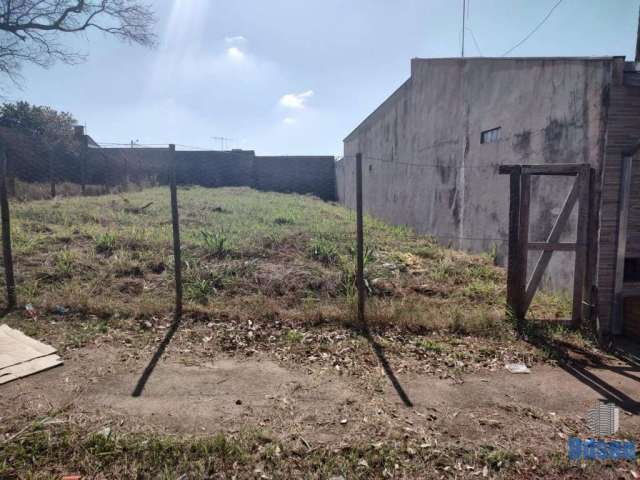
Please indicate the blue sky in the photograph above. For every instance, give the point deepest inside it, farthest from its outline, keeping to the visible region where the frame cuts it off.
(296, 76)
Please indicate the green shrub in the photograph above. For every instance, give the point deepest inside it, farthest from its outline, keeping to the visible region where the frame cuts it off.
(216, 243)
(105, 242)
(324, 251)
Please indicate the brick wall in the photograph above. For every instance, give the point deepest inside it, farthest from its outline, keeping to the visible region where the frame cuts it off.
(623, 132)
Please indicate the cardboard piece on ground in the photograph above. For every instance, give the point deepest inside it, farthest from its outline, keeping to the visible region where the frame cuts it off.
(21, 356)
(29, 368)
(16, 347)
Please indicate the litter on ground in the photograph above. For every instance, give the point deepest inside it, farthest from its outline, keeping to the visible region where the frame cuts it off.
(21, 355)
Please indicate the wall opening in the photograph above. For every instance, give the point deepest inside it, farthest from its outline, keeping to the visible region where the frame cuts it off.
(490, 136)
(631, 269)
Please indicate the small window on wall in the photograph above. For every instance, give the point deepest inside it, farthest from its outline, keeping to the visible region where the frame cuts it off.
(490, 136)
(631, 269)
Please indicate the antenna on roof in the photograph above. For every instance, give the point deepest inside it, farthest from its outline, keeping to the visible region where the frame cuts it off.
(222, 141)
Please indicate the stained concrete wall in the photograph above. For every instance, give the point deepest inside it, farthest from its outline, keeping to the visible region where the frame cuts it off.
(424, 164)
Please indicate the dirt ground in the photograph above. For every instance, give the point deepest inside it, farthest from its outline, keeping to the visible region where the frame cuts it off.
(315, 406)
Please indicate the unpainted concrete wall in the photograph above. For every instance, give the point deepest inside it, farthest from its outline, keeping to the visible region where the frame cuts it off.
(299, 174)
(424, 165)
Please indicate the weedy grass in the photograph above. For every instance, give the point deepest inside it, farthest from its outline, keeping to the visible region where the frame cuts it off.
(101, 256)
(49, 449)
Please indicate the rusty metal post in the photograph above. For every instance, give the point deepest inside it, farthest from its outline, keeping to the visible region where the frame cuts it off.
(176, 230)
(6, 233)
(359, 241)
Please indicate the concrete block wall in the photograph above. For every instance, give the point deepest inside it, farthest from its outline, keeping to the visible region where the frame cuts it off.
(313, 175)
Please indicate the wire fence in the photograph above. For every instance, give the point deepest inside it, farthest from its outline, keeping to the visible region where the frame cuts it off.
(111, 230)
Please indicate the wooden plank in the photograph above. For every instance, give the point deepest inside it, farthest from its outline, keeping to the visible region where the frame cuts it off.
(523, 240)
(592, 253)
(512, 261)
(568, 169)
(553, 237)
(550, 247)
(623, 217)
(580, 269)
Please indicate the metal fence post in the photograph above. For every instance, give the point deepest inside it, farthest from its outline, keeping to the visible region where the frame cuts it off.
(85, 161)
(52, 179)
(360, 241)
(176, 230)
(6, 233)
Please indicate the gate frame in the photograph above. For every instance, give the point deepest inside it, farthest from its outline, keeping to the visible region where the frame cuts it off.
(519, 292)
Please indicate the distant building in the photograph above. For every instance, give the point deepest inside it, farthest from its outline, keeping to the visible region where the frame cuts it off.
(431, 153)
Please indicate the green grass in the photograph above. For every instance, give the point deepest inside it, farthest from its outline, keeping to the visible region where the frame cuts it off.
(95, 256)
(47, 449)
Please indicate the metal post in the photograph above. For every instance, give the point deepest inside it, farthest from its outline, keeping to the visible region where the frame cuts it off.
(176, 230)
(52, 179)
(85, 153)
(360, 241)
(6, 233)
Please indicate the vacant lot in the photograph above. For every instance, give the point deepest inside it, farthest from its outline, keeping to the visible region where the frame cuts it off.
(268, 375)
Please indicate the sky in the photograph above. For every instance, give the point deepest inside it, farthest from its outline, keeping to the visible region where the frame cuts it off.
(294, 77)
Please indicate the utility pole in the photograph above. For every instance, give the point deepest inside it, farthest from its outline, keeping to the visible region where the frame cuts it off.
(637, 59)
(464, 11)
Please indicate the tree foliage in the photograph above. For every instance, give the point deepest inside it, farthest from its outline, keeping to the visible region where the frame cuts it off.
(31, 31)
(40, 122)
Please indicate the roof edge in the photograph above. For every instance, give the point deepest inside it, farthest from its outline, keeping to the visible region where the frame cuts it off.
(384, 104)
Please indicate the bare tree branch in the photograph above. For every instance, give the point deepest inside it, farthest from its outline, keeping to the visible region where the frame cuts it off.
(31, 30)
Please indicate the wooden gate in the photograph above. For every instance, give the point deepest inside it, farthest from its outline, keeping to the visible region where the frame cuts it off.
(520, 292)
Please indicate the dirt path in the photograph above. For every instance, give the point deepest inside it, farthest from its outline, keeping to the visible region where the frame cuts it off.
(317, 407)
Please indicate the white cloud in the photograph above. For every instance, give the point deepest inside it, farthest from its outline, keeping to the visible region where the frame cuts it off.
(289, 120)
(235, 40)
(296, 100)
(234, 53)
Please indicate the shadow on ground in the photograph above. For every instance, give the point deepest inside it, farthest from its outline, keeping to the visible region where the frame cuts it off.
(595, 370)
(146, 374)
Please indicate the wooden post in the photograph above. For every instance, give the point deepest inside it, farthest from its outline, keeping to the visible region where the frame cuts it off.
(590, 295)
(85, 162)
(523, 242)
(514, 295)
(583, 179)
(176, 230)
(617, 324)
(359, 241)
(6, 233)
